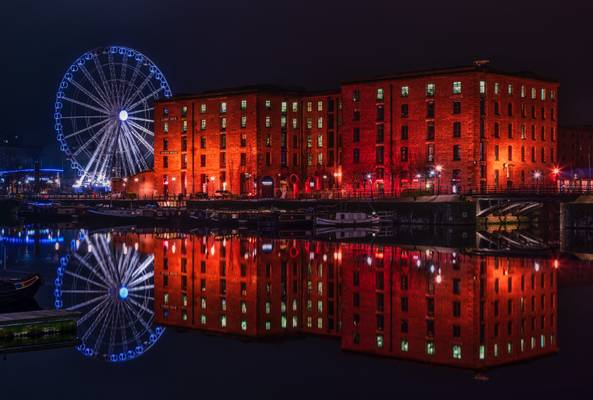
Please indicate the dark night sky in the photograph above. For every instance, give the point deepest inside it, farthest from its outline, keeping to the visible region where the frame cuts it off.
(204, 44)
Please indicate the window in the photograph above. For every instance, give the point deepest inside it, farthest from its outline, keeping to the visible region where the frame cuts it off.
(183, 111)
(184, 161)
(380, 94)
(430, 89)
(510, 153)
(356, 115)
(456, 87)
(533, 93)
(243, 105)
(380, 151)
(183, 143)
(222, 161)
(523, 91)
(203, 160)
(404, 111)
(457, 309)
(165, 162)
(496, 88)
(457, 129)
(457, 352)
(320, 105)
(223, 107)
(295, 123)
(320, 122)
(202, 108)
(203, 124)
(268, 104)
(496, 156)
(223, 123)
(510, 89)
(165, 127)
(496, 108)
(380, 134)
(543, 94)
(320, 140)
(380, 113)
(283, 107)
(355, 95)
(243, 159)
(268, 121)
(404, 154)
(510, 109)
(456, 152)
(223, 141)
(430, 109)
(356, 156)
(405, 91)
(165, 111)
(356, 135)
(456, 107)
(430, 131)
(482, 87)
(165, 144)
(404, 132)
(202, 142)
(243, 121)
(430, 153)
(295, 106)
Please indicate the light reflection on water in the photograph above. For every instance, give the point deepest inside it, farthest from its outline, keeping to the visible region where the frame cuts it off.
(432, 303)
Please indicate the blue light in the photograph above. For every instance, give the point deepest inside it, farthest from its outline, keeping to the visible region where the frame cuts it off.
(123, 293)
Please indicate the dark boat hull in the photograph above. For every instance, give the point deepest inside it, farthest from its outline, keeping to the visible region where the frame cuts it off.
(15, 291)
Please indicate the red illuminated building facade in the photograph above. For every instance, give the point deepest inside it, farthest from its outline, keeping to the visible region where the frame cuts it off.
(260, 141)
(453, 130)
(575, 153)
(449, 130)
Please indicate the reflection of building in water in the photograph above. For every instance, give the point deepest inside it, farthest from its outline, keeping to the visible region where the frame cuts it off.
(431, 305)
(246, 286)
(447, 308)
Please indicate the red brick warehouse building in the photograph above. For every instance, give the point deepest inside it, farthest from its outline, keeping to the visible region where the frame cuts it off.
(254, 141)
(449, 130)
(452, 130)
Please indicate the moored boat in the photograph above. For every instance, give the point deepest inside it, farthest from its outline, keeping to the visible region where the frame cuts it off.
(17, 289)
(348, 219)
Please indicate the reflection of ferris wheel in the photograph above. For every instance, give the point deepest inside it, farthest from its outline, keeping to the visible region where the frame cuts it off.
(112, 286)
(103, 113)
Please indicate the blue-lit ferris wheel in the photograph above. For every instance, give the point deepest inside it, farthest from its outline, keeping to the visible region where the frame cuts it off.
(112, 286)
(104, 113)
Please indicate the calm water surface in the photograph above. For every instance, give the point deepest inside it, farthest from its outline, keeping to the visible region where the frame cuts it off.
(245, 316)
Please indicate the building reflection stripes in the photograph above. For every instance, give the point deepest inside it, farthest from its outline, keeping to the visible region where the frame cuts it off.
(435, 305)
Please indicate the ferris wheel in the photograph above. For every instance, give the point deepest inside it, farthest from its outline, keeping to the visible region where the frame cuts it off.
(112, 286)
(104, 113)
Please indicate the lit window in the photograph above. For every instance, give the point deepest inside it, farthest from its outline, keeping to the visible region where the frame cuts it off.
(184, 111)
(533, 93)
(223, 122)
(268, 121)
(319, 140)
(319, 323)
(405, 91)
(320, 105)
(380, 341)
(380, 94)
(510, 89)
(184, 315)
(184, 126)
(295, 123)
(482, 352)
(165, 127)
(223, 321)
(456, 87)
(203, 319)
(430, 88)
(284, 107)
(457, 352)
(203, 124)
(268, 307)
(320, 122)
(165, 111)
(482, 87)
(223, 107)
(243, 325)
(202, 108)
(283, 321)
(404, 345)
(243, 121)
(522, 90)
(283, 121)
(309, 106)
(268, 325)
(166, 298)
(243, 104)
(320, 159)
(309, 123)
(509, 348)
(430, 348)
(496, 88)
(268, 104)
(295, 106)
(543, 94)
(243, 307)
(552, 95)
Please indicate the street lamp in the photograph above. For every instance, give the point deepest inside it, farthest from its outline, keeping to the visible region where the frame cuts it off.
(537, 175)
(439, 169)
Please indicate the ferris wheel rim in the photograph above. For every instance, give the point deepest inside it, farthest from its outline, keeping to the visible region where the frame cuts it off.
(104, 101)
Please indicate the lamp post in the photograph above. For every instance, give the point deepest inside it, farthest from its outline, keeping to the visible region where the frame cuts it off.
(369, 176)
(537, 175)
(212, 179)
(173, 187)
(439, 169)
